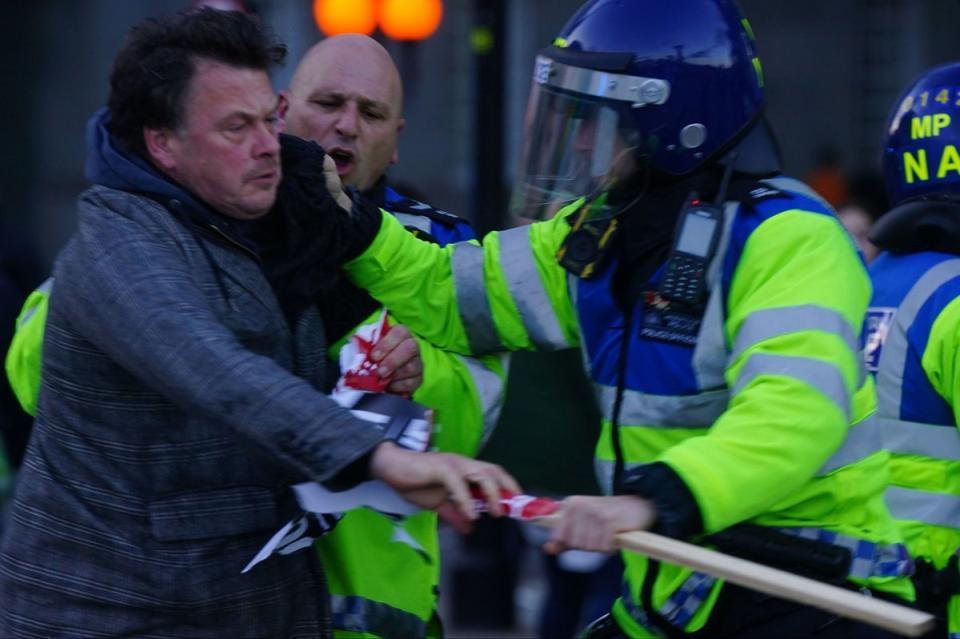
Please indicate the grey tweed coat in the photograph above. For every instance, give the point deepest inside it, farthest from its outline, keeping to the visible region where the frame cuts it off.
(173, 415)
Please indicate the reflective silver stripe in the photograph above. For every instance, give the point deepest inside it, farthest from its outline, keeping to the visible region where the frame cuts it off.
(489, 390)
(467, 265)
(45, 288)
(710, 353)
(419, 222)
(527, 290)
(603, 471)
(893, 359)
(919, 505)
(917, 438)
(823, 376)
(572, 282)
(686, 600)
(768, 323)
(863, 439)
(664, 411)
(861, 369)
(573, 285)
(357, 614)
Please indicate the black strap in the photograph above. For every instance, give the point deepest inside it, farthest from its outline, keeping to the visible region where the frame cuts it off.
(415, 207)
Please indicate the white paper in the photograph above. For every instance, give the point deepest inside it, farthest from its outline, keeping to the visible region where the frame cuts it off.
(377, 495)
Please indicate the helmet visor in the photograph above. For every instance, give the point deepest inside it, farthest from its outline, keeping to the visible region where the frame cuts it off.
(574, 147)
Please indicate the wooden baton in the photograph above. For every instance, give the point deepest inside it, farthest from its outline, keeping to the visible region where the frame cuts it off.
(772, 581)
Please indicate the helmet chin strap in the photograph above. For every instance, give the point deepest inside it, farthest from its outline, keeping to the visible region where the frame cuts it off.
(757, 154)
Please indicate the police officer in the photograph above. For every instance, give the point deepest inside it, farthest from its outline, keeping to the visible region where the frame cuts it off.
(346, 94)
(718, 307)
(912, 344)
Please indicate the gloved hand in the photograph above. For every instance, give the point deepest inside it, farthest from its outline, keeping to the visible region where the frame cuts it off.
(308, 235)
(332, 228)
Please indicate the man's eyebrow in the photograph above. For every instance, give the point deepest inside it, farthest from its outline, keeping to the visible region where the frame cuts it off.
(326, 93)
(377, 104)
(340, 95)
(243, 115)
(247, 115)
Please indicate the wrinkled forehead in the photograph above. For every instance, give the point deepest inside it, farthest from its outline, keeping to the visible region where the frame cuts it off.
(216, 89)
(352, 72)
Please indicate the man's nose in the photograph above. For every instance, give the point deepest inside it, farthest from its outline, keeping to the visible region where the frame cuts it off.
(268, 140)
(347, 121)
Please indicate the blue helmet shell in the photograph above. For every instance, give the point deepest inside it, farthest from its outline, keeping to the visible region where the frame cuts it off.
(921, 156)
(704, 49)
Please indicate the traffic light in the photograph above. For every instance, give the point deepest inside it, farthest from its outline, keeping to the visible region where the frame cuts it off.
(335, 17)
(410, 19)
(405, 20)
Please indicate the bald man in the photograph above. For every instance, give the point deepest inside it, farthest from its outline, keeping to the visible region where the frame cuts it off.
(346, 95)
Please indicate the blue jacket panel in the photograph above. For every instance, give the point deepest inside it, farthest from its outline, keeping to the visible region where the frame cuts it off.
(445, 228)
(893, 276)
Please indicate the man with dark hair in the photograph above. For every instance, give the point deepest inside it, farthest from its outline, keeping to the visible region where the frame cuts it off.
(181, 382)
(346, 95)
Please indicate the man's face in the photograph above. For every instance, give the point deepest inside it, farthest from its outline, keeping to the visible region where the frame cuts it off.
(226, 150)
(347, 99)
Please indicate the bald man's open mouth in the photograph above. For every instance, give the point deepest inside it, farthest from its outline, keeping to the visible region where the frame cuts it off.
(343, 158)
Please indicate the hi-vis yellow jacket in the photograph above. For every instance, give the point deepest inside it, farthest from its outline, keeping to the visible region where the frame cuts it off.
(767, 418)
(913, 347)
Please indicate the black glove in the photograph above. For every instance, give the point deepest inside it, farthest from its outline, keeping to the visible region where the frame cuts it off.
(311, 236)
(303, 198)
(678, 514)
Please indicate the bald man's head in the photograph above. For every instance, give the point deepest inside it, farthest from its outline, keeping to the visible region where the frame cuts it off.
(346, 94)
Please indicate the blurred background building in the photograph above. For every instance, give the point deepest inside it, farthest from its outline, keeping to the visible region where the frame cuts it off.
(832, 67)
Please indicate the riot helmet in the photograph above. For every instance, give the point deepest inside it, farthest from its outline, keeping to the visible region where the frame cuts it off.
(633, 88)
(920, 155)
(921, 165)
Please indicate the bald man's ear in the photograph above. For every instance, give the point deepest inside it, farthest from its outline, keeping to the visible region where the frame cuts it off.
(396, 151)
(283, 105)
(160, 145)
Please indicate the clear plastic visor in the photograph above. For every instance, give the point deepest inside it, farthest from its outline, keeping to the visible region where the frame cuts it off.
(573, 148)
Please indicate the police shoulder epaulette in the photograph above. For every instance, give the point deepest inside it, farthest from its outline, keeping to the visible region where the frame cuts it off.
(414, 207)
(752, 192)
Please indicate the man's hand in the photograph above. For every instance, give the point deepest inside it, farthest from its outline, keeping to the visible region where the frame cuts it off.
(429, 480)
(398, 354)
(332, 181)
(590, 523)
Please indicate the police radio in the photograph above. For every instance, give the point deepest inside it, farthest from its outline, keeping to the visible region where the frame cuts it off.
(674, 312)
(695, 242)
